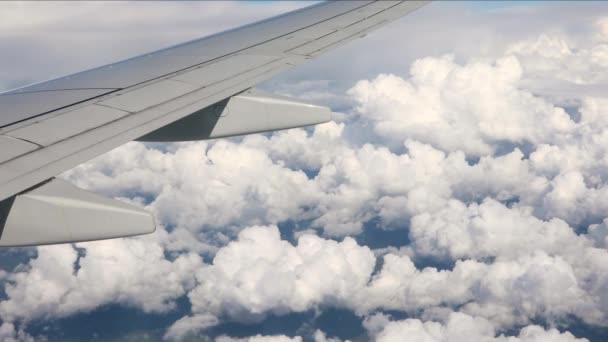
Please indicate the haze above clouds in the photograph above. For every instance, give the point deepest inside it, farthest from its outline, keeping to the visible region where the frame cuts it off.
(478, 135)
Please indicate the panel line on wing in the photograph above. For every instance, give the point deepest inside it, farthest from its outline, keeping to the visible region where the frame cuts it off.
(345, 27)
(79, 101)
(346, 38)
(51, 90)
(208, 75)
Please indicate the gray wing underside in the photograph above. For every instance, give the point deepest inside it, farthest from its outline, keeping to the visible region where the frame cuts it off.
(49, 127)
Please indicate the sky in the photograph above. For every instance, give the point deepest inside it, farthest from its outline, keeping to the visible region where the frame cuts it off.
(460, 194)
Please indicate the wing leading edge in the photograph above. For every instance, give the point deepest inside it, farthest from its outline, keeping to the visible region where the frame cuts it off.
(52, 126)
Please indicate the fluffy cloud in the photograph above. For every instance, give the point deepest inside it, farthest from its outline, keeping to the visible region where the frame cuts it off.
(460, 327)
(472, 107)
(8, 333)
(60, 282)
(491, 229)
(505, 292)
(259, 274)
(260, 338)
(599, 234)
(320, 336)
(553, 54)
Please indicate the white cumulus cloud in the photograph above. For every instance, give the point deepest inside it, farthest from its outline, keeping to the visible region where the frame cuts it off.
(131, 271)
(462, 328)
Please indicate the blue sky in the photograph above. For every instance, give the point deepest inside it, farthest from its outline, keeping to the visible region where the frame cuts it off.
(460, 192)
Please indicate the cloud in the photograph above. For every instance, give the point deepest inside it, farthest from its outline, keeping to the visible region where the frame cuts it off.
(259, 274)
(60, 282)
(320, 336)
(599, 234)
(260, 338)
(504, 292)
(472, 108)
(552, 54)
(491, 229)
(460, 327)
(8, 333)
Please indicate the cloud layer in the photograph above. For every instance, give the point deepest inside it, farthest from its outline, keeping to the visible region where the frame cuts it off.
(492, 165)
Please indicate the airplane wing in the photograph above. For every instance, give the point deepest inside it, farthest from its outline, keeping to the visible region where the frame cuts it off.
(197, 90)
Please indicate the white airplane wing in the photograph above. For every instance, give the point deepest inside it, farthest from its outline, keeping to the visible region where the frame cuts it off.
(198, 90)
